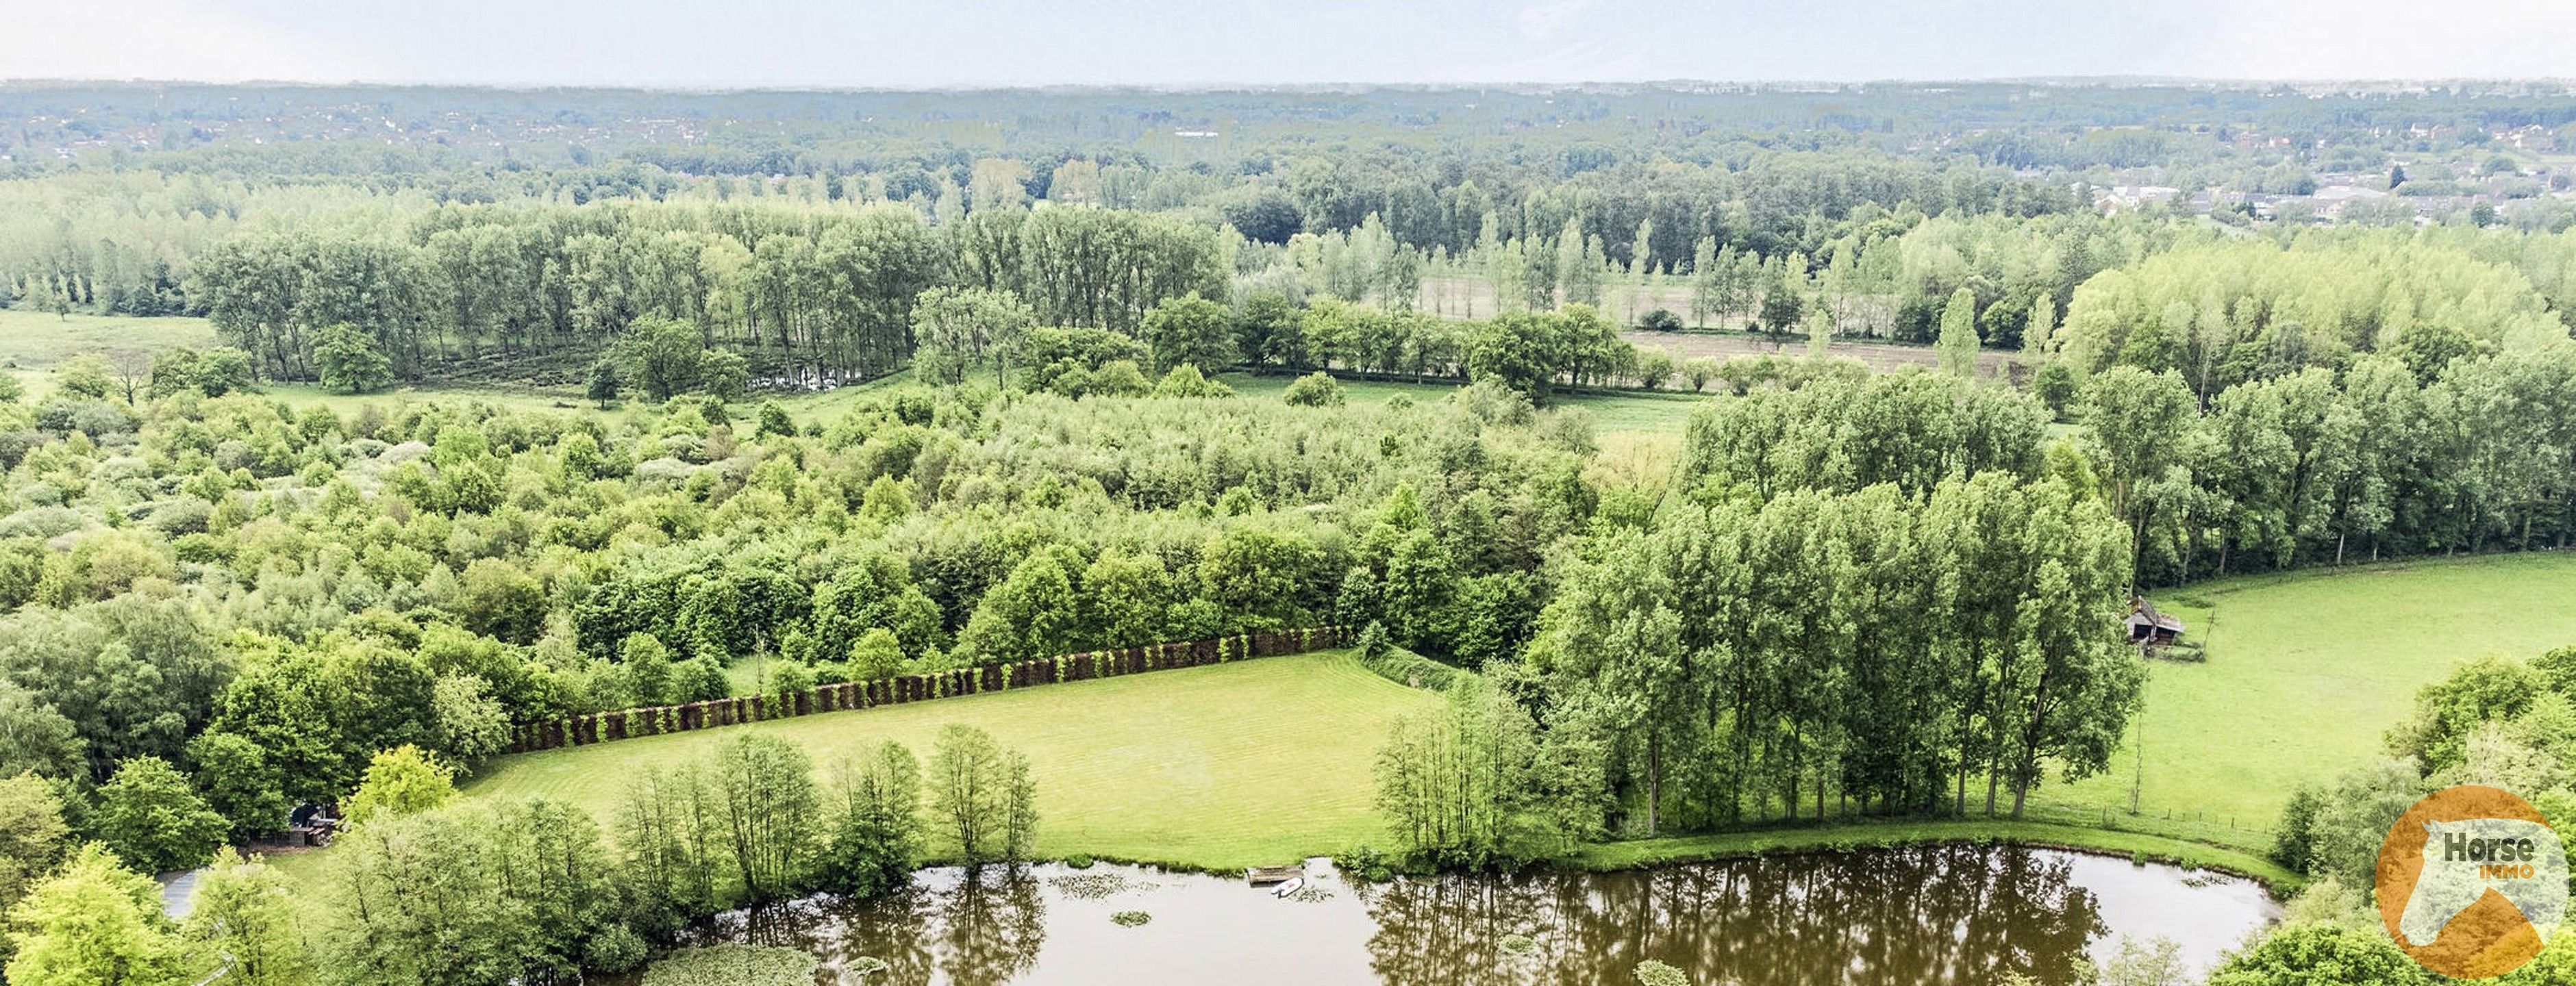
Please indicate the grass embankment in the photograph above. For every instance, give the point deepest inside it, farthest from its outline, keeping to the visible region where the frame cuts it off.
(1862, 835)
(1223, 766)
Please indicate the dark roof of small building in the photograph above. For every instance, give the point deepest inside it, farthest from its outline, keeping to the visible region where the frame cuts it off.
(2144, 613)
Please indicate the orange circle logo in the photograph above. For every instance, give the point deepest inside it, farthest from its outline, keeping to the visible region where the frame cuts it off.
(2472, 882)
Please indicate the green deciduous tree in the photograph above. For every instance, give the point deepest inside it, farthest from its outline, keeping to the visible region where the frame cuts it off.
(349, 361)
(876, 831)
(153, 819)
(982, 795)
(400, 781)
(96, 923)
(243, 918)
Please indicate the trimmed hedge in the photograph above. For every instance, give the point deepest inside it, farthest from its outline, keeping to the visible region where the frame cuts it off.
(609, 727)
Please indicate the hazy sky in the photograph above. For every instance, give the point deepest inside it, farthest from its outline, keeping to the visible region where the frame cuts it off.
(971, 42)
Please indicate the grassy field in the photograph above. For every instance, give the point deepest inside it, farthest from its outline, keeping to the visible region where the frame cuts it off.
(2305, 673)
(1232, 765)
(33, 343)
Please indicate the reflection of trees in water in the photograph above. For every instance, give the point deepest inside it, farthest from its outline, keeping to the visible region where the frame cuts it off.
(1906, 917)
(990, 928)
(981, 930)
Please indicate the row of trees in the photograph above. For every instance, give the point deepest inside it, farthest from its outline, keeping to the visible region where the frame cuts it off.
(1805, 657)
(427, 889)
(817, 294)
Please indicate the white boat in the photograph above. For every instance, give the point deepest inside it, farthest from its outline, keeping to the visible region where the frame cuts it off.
(1288, 886)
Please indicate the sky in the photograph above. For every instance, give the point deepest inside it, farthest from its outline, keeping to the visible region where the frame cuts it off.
(958, 43)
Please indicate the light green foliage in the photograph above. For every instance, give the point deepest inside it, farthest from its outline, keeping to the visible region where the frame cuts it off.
(1316, 389)
(982, 796)
(2321, 955)
(770, 804)
(1034, 613)
(36, 738)
(243, 918)
(1185, 380)
(668, 356)
(2152, 963)
(1958, 342)
(506, 890)
(469, 724)
(875, 655)
(1653, 973)
(32, 837)
(400, 781)
(153, 819)
(1469, 786)
(85, 376)
(733, 965)
(95, 923)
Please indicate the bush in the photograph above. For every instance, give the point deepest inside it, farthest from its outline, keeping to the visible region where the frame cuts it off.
(734, 965)
(1407, 668)
(1130, 919)
(1653, 973)
(1661, 320)
(1317, 389)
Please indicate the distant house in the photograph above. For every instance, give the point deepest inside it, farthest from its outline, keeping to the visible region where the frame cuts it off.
(2149, 626)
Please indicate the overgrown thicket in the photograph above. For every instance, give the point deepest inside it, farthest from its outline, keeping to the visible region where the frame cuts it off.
(213, 601)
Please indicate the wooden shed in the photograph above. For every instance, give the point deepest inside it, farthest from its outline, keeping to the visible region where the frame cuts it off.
(2148, 625)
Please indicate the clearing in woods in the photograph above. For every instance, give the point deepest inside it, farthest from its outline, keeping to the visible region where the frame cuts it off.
(1229, 765)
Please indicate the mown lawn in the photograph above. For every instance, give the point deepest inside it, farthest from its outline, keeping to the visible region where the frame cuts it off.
(1233, 765)
(2305, 673)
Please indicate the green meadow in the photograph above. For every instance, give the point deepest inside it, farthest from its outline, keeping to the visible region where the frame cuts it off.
(2305, 673)
(1229, 765)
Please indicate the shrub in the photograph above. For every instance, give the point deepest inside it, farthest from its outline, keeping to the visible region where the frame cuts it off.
(1653, 973)
(1661, 320)
(1407, 668)
(1317, 389)
(1130, 919)
(734, 965)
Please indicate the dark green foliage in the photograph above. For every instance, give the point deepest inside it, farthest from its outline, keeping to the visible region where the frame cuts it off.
(2293, 840)
(1660, 320)
(153, 819)
(876, 838)
(346, 359)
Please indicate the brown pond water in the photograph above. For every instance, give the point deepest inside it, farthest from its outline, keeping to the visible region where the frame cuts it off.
(1925, 915)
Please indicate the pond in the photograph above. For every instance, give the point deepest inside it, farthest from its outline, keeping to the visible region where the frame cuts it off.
(1921, 915)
